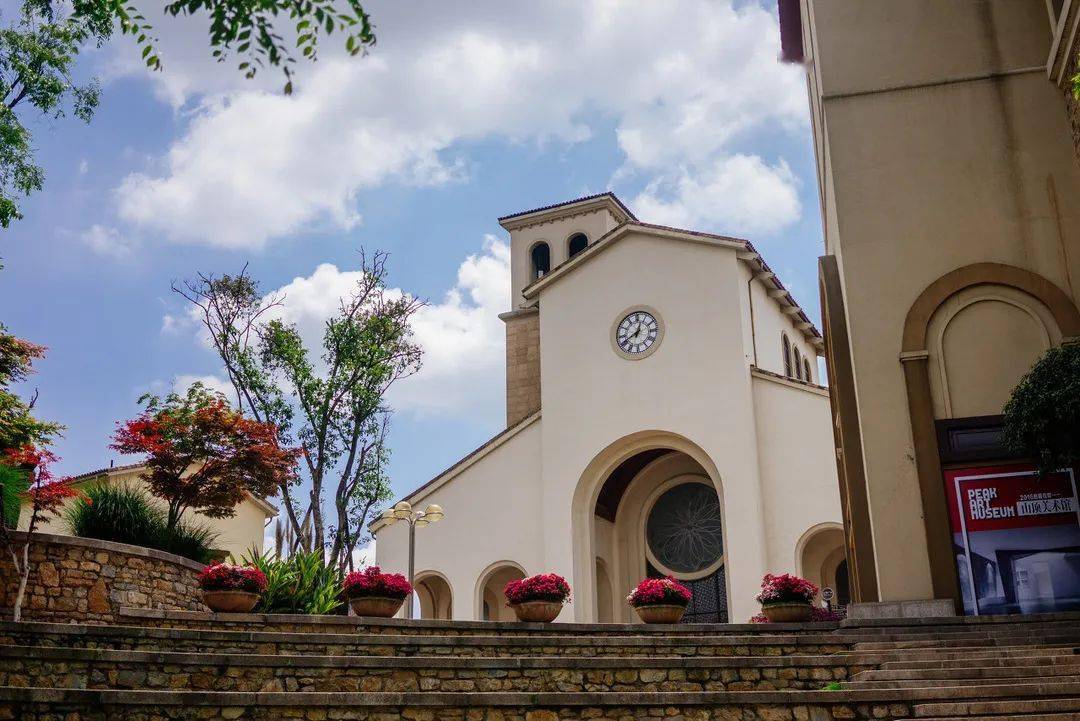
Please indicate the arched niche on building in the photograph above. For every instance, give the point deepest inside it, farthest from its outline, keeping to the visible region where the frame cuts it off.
(953, 365)
(490, 601)
(820, 557)
(435, 596)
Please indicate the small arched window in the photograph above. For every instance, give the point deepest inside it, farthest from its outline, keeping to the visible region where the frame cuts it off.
(787, 355)
(541, 260)
(806, 371)
(798, 362)
(577, 243)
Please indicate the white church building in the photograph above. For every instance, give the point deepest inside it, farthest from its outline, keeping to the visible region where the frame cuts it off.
(665, 416)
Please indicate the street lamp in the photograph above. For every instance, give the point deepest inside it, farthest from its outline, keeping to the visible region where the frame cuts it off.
(403, 511)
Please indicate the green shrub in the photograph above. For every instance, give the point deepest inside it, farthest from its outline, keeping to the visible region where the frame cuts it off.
(190, 540)
(127, 515)
(1042, 417)
(301, 583)
(14, 482)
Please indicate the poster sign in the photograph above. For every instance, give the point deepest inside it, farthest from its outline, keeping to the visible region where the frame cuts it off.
(1016, 539)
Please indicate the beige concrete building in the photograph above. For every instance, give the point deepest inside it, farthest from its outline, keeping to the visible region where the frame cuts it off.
(236, 535)
(664, 416)
(948, 187)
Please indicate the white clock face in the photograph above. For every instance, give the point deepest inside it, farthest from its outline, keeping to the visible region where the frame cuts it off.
(637, 332)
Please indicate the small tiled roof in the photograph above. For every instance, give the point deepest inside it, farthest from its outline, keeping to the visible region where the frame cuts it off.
(103, 471)
(608, 194)
(266, 505)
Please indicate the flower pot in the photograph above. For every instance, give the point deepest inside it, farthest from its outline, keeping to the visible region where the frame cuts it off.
(792, 612)
(230, 601)
(378, 606)
(537, 611)
(660, 613)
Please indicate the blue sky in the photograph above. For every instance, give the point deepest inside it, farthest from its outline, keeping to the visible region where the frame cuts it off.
(460, 114)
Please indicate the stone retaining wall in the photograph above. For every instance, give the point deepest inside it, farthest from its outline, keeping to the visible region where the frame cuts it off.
(46, 667)
(93, 705)
(83, 580)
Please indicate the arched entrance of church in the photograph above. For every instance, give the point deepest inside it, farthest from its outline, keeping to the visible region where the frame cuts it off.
(653, 512)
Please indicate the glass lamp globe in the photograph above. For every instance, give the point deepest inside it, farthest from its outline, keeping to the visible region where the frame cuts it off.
(433, 513)
(402, 510)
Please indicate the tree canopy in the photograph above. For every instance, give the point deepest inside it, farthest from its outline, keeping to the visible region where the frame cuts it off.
(40, 43)
(204, 455)
(18, 426)
(1042, 418)
(332, 398)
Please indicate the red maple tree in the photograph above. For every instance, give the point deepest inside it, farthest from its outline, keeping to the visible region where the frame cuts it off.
(204, 455)
(47, 494)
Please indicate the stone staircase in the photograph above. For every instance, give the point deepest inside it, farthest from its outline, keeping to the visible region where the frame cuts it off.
(187, 665)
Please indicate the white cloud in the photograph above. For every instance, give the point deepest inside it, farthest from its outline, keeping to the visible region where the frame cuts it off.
(254, 165)
(214, 382)
(738, 194)
(108, 241)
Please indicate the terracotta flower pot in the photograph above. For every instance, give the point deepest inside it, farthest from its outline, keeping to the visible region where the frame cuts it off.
(537, 611)
(792, 612)
(230, 601)
(660, 613)
(378, 606)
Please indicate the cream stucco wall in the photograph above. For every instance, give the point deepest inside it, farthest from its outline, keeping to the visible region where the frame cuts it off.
(492, 514)
(940, 143)
(798, 482)
(236, 535)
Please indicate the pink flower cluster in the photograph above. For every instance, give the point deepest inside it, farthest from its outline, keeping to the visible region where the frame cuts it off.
(373, 582)
(657, 591)
(786, 588)
(542, 587)
(227, 577)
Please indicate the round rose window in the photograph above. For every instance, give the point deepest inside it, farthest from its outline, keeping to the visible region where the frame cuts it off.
(684, 531)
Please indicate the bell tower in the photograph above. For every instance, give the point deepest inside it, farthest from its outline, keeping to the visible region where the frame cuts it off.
(540, 241)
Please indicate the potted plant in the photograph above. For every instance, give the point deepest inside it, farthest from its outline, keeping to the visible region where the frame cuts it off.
(786, 598)
(660, 600)
(374, 593)
(538, 598)
(231, 589)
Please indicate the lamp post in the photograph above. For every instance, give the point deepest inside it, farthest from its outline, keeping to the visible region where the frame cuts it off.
(403, 511)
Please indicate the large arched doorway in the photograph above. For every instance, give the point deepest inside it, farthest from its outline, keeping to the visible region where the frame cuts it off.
(658, 513)
(491, 603)
(435, 597)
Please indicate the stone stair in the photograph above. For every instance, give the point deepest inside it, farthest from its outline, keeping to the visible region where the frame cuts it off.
(169, 666)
